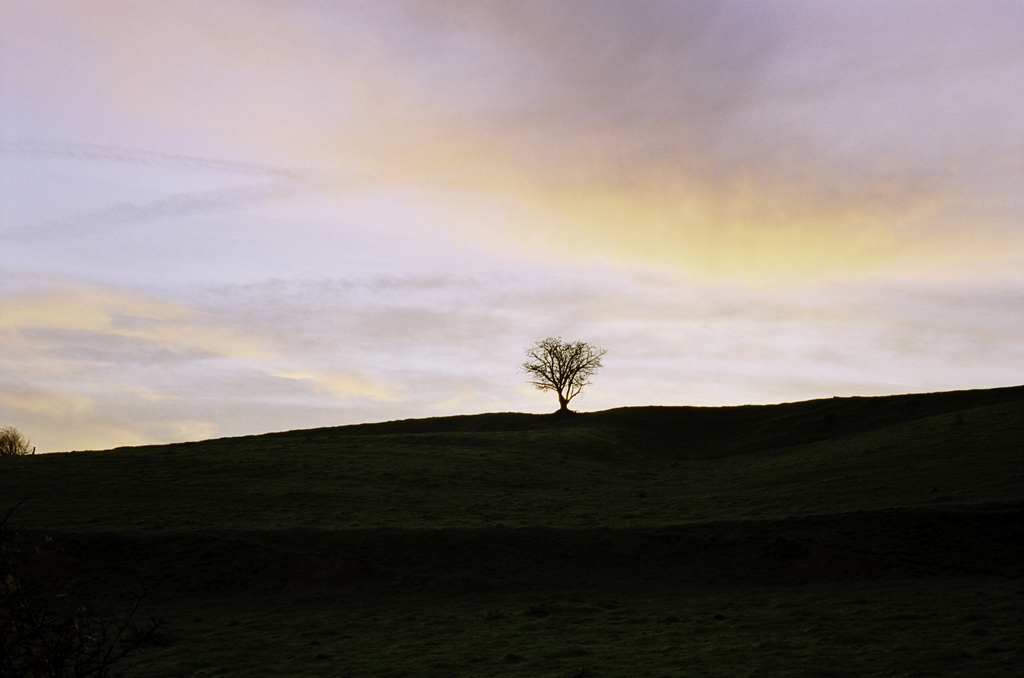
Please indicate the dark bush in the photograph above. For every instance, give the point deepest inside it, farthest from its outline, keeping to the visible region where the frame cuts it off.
(44, 634)
(13, 444)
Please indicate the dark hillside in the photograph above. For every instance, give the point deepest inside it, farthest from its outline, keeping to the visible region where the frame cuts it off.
(624, 467)
(851, 523)
(983, 541)
(694, 432)
(709, 432)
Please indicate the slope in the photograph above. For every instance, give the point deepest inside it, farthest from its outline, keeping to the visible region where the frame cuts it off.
(455, 518)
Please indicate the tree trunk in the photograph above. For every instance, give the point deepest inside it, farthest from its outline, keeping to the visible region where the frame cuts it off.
(563, 404)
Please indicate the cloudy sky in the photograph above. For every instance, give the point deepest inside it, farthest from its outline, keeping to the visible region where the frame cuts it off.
(233, 217)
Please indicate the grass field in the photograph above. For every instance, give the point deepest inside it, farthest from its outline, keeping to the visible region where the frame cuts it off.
(840, 537)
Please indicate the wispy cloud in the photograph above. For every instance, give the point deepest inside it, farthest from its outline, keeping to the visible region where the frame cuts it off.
(39, 148)
(342, 385)
(181, 205)
(53, 405)
(273, 183)
(103, 317)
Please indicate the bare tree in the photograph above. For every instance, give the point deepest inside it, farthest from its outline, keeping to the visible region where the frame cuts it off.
(12, 443)
(562, 367)
(44, 635)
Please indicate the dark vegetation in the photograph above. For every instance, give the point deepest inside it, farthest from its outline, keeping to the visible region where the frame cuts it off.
(13, 444)
(45, 632)
(839, 537)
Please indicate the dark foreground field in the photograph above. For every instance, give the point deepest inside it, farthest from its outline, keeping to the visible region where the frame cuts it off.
(840, 537)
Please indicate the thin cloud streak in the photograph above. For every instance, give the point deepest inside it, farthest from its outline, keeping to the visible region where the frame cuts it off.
(121, 216)
(37, 148)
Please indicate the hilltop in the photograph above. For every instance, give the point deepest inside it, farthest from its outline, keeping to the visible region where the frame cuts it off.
(520, 511)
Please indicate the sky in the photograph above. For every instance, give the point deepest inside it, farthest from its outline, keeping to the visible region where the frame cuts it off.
(242, 216)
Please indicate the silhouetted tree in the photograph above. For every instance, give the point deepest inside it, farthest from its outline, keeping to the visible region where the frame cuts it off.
(43, 634)
(12, 443)
(562, 367)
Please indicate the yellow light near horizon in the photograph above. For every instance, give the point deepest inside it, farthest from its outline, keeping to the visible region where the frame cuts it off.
(343, 385)
(686, 234)
(109, 311)
(728, 235)
(747, 229)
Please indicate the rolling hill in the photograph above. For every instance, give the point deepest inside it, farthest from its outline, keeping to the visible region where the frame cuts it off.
(633, 541)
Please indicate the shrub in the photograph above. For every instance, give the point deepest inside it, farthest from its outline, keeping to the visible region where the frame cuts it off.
(12, 443)
(44, 634)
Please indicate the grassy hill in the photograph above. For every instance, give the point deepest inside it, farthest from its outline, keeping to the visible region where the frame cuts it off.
(847, 536)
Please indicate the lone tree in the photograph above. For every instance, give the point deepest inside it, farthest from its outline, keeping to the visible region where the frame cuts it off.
(12, 443)
(562, 367)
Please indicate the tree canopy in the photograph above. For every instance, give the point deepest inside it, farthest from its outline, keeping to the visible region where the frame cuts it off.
(12, 443)
(562, 367)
